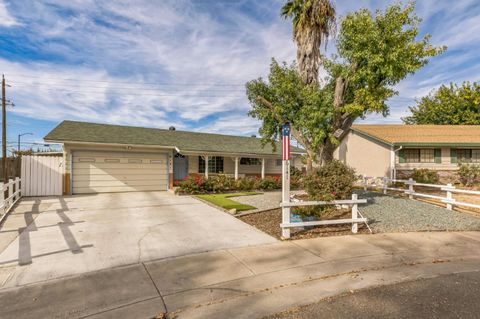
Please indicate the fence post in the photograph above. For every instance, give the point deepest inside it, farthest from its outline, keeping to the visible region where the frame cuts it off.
(410, 188)
(385, 184)
(365, 182)
(17, 188)
(354, 213)
(10, 192)
(449, 196)
(2, 198)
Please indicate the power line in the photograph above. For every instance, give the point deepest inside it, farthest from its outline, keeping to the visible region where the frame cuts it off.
(129, 82)
(121, 87)
(142, 94)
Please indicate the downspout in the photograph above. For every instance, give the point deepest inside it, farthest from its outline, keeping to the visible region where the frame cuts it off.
(393, 162)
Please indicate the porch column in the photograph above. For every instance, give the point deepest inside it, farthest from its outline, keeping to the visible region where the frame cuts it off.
(236, 168)
(206, 166)
(263, 168)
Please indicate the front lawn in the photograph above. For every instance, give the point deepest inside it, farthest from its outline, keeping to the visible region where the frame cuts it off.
(222, 200)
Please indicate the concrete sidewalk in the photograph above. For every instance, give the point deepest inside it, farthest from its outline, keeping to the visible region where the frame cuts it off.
(247, 282)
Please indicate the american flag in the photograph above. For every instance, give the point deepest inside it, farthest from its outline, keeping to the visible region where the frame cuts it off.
(286, 141)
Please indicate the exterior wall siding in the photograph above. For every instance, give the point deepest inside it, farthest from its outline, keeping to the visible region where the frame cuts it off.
(367, 156)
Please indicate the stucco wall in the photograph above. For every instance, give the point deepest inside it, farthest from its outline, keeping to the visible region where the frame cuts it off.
(365, 155)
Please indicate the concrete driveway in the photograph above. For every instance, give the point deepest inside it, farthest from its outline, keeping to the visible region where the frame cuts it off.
(48, 238)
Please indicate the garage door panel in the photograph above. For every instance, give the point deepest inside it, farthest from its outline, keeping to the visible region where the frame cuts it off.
(115, 171)
(119, 166)
(104, 177)
(99, 172)
(159, 183)
(113, 189)
(103, 155)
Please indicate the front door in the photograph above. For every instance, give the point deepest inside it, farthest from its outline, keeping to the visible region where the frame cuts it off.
(180, 167)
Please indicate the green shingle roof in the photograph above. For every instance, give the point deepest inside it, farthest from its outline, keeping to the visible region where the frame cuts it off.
(72, 131)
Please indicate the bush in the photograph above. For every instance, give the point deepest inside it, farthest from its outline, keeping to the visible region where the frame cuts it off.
(221, 183)
(296, 178)
(245, 184)
(332, 181)
(469, 174)
(268, 183)
(193, 184)
(425, 175)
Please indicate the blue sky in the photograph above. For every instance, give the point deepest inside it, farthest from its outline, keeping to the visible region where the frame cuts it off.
(180, 62)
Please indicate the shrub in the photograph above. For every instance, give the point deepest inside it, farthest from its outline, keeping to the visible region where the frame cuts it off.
(469, 174)
(221, 183)
(268, 183)
(425, 175)
(245, 184)
(193, 184)
(332, 181)
(296, 178)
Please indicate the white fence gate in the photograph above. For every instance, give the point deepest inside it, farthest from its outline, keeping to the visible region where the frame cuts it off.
(42, 175)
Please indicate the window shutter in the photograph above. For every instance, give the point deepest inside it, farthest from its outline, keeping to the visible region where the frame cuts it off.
(453, 155)
(401, 156)
(438, 156)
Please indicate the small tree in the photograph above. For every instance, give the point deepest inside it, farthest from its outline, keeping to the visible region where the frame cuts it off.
(449, 105)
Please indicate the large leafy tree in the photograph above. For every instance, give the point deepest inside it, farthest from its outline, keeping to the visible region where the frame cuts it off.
(449, 105)
(375, 52)
(313, 22)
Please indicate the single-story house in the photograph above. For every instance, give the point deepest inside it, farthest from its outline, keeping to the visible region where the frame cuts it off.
(112, 158)
(396, 150)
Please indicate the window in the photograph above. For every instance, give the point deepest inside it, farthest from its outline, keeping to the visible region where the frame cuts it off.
(250, 161)
(427, 156)
(411, 155)
(112, 160)
(86, 160)
(215, 164)
(468, 155)
(415, 155)
(278, 162)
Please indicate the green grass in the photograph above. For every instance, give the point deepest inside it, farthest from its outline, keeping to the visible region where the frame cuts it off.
(222, 200)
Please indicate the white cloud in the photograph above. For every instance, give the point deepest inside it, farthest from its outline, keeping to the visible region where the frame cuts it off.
(6, 19)
(204, 50)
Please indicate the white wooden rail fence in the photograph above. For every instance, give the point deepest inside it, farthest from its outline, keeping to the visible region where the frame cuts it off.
(10, 193)
(449, 190)
(354, 220)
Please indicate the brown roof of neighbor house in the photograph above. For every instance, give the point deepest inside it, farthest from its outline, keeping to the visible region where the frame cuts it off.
(423, 135)
(72, 131)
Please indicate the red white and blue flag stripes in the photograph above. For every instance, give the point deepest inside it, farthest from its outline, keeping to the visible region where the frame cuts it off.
(286, 141)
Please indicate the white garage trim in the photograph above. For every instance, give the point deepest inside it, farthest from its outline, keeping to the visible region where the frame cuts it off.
(95, 171)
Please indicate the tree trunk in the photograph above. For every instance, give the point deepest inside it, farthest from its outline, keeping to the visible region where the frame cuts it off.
(327, 152)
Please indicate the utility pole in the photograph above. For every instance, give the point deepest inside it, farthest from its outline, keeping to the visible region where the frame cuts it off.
(4, 131)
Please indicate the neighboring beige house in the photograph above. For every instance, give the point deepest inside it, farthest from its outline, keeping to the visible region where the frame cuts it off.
(396, 150)
(112, 158)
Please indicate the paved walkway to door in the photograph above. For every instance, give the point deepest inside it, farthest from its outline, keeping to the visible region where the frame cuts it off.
(47, 238)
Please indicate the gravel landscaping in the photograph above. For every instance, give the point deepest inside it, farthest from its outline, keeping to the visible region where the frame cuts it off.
(385, 213)
(269, 222)
(395, 214)
(264, 201)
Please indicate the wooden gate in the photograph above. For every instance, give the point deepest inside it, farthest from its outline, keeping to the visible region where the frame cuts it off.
(42, 175)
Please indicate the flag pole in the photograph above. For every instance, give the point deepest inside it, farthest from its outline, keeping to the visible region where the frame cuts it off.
(286, 178)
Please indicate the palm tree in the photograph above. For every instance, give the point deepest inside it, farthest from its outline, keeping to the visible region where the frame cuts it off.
(313, 22)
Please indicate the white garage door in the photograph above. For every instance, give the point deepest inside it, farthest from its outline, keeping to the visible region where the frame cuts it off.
(106, 172)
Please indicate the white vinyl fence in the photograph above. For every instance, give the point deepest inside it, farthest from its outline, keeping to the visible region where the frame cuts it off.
(10, 193)
(354, 220)
(42, 175)
(384, 184)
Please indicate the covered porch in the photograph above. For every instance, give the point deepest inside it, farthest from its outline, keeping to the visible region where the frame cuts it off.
(234, 165)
